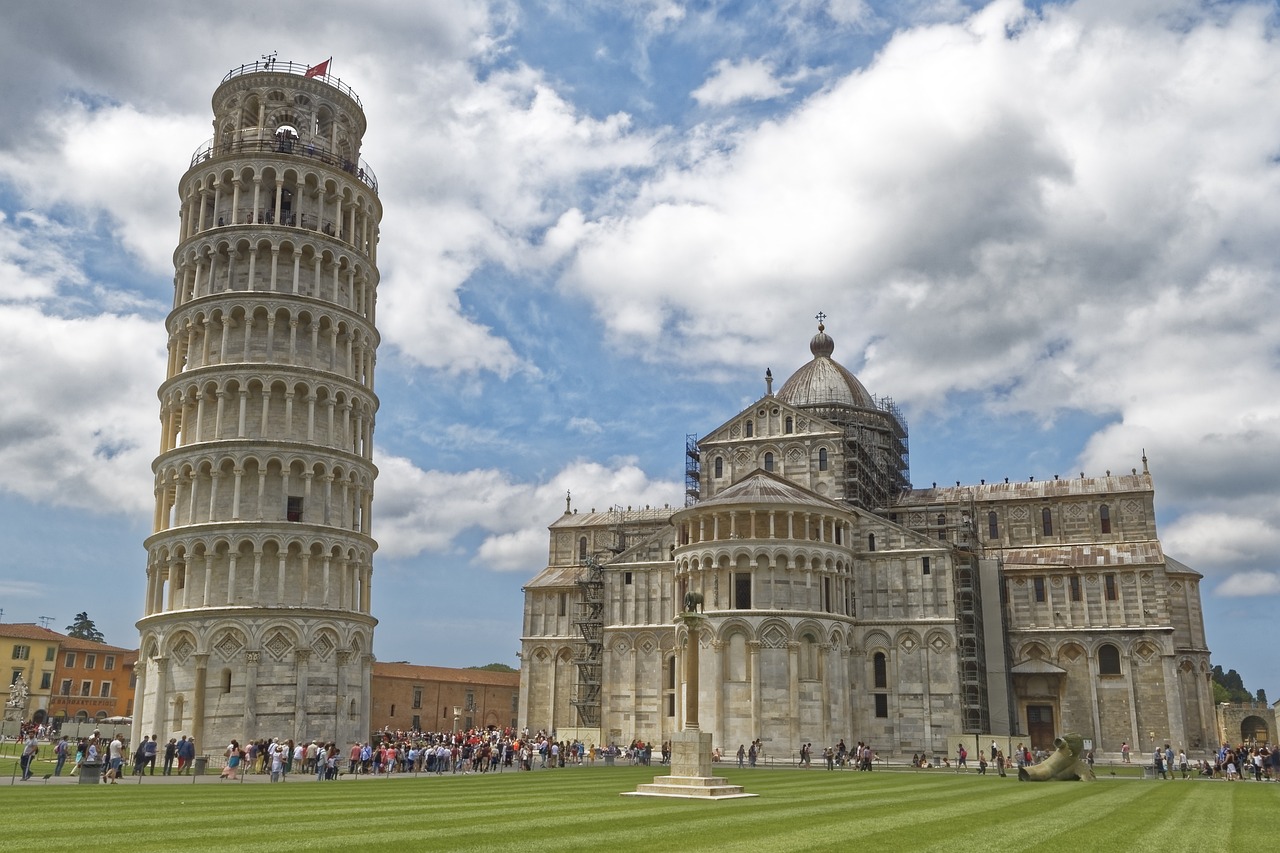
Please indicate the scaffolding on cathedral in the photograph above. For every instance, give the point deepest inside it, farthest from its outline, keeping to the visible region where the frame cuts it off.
(950, 518)
(692, 470)
(877, 467)
(625, 530)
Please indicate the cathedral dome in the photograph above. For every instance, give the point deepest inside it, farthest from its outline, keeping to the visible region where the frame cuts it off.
(824, 381)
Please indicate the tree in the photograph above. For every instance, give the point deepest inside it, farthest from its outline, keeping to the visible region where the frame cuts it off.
(1233, 689)
(494, 667)
(1262, 696)
(82, 628)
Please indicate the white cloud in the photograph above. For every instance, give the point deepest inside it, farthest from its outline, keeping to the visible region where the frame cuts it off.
(426, 512)
(492, 165)
(586, 426)
(74, 431)
(10, 588)
(1249, 585)
(115, 160)
(732, 82)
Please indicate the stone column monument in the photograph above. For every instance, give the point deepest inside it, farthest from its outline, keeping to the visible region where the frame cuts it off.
(691, 770)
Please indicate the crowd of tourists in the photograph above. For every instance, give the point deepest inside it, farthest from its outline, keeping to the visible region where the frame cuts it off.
(497, 749)
(400, 752)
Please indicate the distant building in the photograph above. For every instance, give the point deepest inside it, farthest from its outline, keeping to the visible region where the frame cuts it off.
(92, 681)
(407, 697)
(68, 678)
(845, 604)
(1247, 722)
(31, 652)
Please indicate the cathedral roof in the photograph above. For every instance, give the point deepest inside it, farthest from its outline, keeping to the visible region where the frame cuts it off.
(648, 515)
(824, 381)
(1112, 484)
(1082, 556)
(1179, 567)
(762, 487)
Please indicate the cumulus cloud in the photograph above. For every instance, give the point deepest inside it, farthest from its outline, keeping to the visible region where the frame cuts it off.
(72, 431)
(1250, 585)
(731, 82)
(491, 165)
(421, 512)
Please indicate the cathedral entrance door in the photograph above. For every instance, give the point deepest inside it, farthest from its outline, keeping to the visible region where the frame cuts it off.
(1040, 726)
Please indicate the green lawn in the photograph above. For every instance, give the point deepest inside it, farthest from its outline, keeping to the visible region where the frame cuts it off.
(580, 809)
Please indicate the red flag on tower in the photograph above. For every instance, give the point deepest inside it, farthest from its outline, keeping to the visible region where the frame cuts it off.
(319, 70)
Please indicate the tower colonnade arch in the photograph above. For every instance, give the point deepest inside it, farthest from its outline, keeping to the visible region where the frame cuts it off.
(276, 264)
(253, 404)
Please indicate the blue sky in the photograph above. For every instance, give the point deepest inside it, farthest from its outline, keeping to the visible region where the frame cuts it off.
(1047, 231)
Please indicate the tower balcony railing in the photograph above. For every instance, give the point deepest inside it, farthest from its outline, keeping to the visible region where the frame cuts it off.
(298, 68)
(209, 149)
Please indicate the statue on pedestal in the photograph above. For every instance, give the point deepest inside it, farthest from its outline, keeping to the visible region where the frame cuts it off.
(15, 709)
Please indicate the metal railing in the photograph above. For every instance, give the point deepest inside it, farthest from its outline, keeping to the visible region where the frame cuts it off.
(298, 68)
(292, 147)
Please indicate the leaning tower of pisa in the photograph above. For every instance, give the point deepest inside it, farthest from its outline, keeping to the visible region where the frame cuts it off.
(256, 620)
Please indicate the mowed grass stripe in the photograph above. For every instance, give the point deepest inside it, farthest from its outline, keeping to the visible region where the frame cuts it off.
(581, 809)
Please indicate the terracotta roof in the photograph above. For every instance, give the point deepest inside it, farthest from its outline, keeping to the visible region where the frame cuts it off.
(443, 673)
(76, 644)
(30, 631)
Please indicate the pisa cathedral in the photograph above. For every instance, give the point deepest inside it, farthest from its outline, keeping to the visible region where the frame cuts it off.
(842, 603)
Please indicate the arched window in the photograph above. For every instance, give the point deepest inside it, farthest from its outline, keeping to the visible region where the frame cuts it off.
(822, 459)
(993, 528)
(582, 549)
(719, 467)
(1104, 518)
(788, 425)
(751, 428)
(871, 541)
(1046, 521)
(880, 667)
(808, 658)
(768, 462)
(1108, 660)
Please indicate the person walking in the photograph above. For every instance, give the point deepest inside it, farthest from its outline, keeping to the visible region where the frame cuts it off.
(60, 751)
(30, 749)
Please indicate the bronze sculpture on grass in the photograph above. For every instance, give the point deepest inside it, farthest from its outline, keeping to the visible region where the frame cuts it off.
(1067, 764)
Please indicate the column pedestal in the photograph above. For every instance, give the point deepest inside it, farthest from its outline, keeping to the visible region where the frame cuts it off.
(691, 768)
